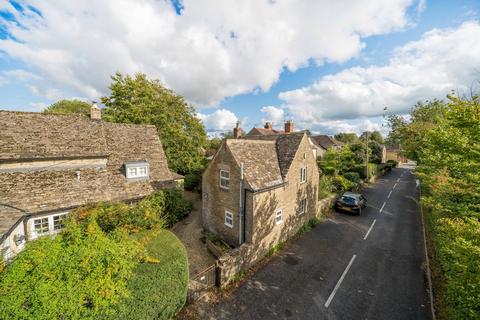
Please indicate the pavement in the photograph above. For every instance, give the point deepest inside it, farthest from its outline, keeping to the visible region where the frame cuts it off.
(348, 267)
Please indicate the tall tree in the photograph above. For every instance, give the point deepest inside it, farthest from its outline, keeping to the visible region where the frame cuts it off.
(349, 138)
(137, 99)
(372, 136)
(69, 106)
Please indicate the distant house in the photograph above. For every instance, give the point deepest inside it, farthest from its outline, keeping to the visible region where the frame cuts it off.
(384, 153)
(327, 142)
(393, 152)
(51, 164)
(260, 190)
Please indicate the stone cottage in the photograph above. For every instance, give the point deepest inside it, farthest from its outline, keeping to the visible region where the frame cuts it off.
(260, 190)
(51, 164)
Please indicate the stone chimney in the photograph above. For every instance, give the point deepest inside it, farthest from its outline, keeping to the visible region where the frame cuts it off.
(268, 126)
(237, 131)
(95, 112)
(289, 126)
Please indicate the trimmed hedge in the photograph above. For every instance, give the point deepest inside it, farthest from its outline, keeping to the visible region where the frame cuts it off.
(159, 286)
(352, 176)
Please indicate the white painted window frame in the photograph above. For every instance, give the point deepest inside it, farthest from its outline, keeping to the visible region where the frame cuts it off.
(278, 214)
(228, 219)
(51, 225)
(132, 170)
(302, 208)
(224, 178)
(303, 174)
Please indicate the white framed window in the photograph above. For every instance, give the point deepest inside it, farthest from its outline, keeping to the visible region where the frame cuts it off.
(302, 206)
(137, 170)
(59, 221)
(303, 174)
(278, 217)
(224, 179)
(40, 226)
(229, 219)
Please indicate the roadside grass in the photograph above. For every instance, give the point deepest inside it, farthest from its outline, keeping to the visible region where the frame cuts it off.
(159, 284)
(454, 249)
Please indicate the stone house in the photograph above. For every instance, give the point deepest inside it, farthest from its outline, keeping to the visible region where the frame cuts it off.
(260, 189)
(327, 142)
(393, 152)
(51, 164)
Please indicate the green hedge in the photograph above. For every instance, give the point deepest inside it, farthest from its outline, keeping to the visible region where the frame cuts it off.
(352, 176)
(159, 286)
(455, 264)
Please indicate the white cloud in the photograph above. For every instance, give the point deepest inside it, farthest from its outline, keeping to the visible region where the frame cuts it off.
(215, 49)
(441, 61)
(273, 114)
(220, 120)
(20, 74)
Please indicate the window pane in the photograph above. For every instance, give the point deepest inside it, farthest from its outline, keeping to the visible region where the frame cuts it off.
(143, 171)
(40, 225)
(59, 222)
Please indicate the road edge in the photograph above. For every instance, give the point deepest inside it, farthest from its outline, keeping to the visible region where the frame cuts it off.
(427, 259)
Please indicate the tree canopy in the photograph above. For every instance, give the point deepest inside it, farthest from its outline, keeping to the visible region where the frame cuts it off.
(137, 99)
(349, 138)
(372, 136)
(69, 106)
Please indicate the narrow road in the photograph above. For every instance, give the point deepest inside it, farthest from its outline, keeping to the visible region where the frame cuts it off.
(348, 267)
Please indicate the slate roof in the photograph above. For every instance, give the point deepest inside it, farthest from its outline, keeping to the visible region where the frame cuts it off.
(326, 141)
(30, 136)
(266, 159)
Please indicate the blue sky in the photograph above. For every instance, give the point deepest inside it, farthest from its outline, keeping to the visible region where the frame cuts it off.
(328, 68)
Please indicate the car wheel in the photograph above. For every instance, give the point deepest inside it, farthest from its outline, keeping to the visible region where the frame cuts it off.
(359, 212)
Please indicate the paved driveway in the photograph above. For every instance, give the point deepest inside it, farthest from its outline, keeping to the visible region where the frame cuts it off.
(349, 267)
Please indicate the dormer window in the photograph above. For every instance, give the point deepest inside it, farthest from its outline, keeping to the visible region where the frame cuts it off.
(137, 170)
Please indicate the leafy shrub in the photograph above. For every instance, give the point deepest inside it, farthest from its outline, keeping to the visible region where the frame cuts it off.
(177, 206)
(328, 171)
(352, 176)
(360, 169)
(309, 225)
(193, 181)
(392, 163)
(79, 274)
(341, 184)
(325, 186)
(158, 289)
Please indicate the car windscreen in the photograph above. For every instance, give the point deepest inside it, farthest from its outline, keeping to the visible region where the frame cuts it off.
(348, 200)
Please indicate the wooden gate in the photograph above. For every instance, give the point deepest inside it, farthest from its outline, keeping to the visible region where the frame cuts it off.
(201, 282)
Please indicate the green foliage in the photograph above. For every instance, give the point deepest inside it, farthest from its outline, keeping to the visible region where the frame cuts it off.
(352, 176)
(329, 171)
(325, 186)
(193, 181)
(392, 163)
(158, 287)
(444, 137)
(349, 138)
(177, 206)
(341, 184)
(79, 274)
(142, 101)
(68, 107)
(375, 136)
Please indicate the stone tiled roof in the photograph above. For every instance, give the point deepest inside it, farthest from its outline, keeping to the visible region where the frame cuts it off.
(29, 136)
(266, 159)
(8, 217)
(326, 141)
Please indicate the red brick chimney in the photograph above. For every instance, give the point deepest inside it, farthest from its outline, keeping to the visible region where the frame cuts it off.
(289, 126)
(237, 131)
(268, 126)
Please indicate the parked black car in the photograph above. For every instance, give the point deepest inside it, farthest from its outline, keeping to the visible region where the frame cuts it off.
(352, 202)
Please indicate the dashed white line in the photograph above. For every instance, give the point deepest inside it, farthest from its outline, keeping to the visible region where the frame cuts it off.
(394, 186)
(389, 194)
(381, 209)
(370, 229)
(398, 180)
(330, 298)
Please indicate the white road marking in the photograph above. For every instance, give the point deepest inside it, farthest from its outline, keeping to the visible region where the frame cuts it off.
(398, 180)
(394, 186)
(370, 229)
(381, 209)
(330, 298)
(389, 194)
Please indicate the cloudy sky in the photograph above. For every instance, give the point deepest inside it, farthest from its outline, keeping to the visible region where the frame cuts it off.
(329, 65)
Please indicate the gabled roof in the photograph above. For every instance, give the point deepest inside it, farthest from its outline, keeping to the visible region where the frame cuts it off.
(326, 141)
(54, 143)
(263, 131)
(266, 159)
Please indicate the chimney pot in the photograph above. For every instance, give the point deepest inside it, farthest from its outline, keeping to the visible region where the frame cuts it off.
(95, 112)
(268, 126)
(289, 126)
(237, 131)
